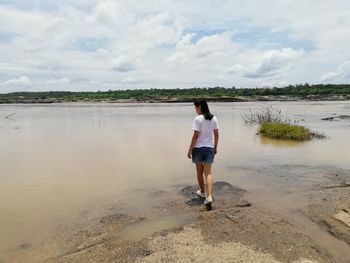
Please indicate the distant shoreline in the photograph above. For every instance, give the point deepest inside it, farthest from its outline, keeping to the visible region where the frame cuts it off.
(317, 92)
(182, 100)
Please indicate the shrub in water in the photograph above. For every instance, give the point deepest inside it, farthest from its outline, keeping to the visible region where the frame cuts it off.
(285, 131)
(267, 114)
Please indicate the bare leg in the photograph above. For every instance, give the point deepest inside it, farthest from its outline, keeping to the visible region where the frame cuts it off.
(199, 168)
(207, 173)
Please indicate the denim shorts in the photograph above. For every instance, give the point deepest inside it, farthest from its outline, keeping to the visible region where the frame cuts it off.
(203, 155)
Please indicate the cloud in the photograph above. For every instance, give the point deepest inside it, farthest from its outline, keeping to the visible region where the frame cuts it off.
(52, 65)
(341, 73)
(274, 82)
(129, 80)
(106, 43)
(159, 29)
(58, 81)
(21, 81)
(124, 63)
(110, 14)
(237, 68)
(102, 53)
(274, 62)
(217, 45)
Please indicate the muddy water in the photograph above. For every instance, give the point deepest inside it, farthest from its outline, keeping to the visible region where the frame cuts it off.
(61, 164)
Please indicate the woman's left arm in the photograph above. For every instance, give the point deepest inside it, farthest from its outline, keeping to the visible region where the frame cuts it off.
(193, 142)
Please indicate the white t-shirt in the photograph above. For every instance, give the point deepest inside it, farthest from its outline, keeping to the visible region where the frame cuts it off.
(206, 131)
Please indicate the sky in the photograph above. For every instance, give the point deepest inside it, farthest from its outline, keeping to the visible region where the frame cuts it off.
(90, 45)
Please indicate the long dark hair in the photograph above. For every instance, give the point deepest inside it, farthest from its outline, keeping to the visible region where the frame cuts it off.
(204, 108)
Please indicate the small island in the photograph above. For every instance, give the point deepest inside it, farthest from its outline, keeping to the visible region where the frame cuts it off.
(273, 123)
(287, 131)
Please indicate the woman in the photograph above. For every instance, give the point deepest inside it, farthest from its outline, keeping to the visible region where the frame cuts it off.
(203, 146)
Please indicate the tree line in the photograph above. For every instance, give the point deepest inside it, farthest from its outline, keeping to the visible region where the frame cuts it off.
(207, 92)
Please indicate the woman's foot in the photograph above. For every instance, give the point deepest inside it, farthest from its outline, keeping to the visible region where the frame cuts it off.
(200, 194)
(208, 200)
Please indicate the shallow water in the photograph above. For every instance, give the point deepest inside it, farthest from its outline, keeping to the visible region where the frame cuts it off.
(62, 163)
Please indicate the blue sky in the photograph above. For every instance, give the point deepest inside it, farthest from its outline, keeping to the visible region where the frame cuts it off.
(101, 45)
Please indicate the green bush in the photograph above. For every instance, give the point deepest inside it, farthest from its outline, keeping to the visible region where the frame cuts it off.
(285, 131)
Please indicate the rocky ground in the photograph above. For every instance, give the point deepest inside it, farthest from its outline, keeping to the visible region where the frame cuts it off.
(330, 206)
(233, 231)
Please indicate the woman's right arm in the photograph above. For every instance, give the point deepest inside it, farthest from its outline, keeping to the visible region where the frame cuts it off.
(193, 142)
(216, 139)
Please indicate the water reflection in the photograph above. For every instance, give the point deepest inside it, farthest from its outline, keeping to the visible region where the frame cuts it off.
(281, 143)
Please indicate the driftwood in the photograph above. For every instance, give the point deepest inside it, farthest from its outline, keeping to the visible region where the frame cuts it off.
(8, 116)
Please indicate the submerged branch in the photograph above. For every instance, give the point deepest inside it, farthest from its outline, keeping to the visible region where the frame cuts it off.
(8, 116)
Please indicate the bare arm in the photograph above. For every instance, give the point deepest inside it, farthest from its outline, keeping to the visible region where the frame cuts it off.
(216, 140)
(193, 142)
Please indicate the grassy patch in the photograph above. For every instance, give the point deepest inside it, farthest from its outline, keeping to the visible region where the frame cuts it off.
(286, 131)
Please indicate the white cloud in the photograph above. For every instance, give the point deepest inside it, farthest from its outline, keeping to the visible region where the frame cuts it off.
(110, 13)
(21, 81)
(342, 73)
(274, 62)
(102, 53)
(274, 82)
(52, 65)
(129, 80)
(58, 81)
(235, 69)
(217, 45)
(124, 63)
(172, 44)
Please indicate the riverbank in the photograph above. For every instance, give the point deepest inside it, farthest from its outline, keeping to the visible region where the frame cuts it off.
(235, 230)
(24, 100)
(291, 92)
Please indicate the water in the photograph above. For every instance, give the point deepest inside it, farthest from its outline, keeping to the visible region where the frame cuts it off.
(64, 162)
